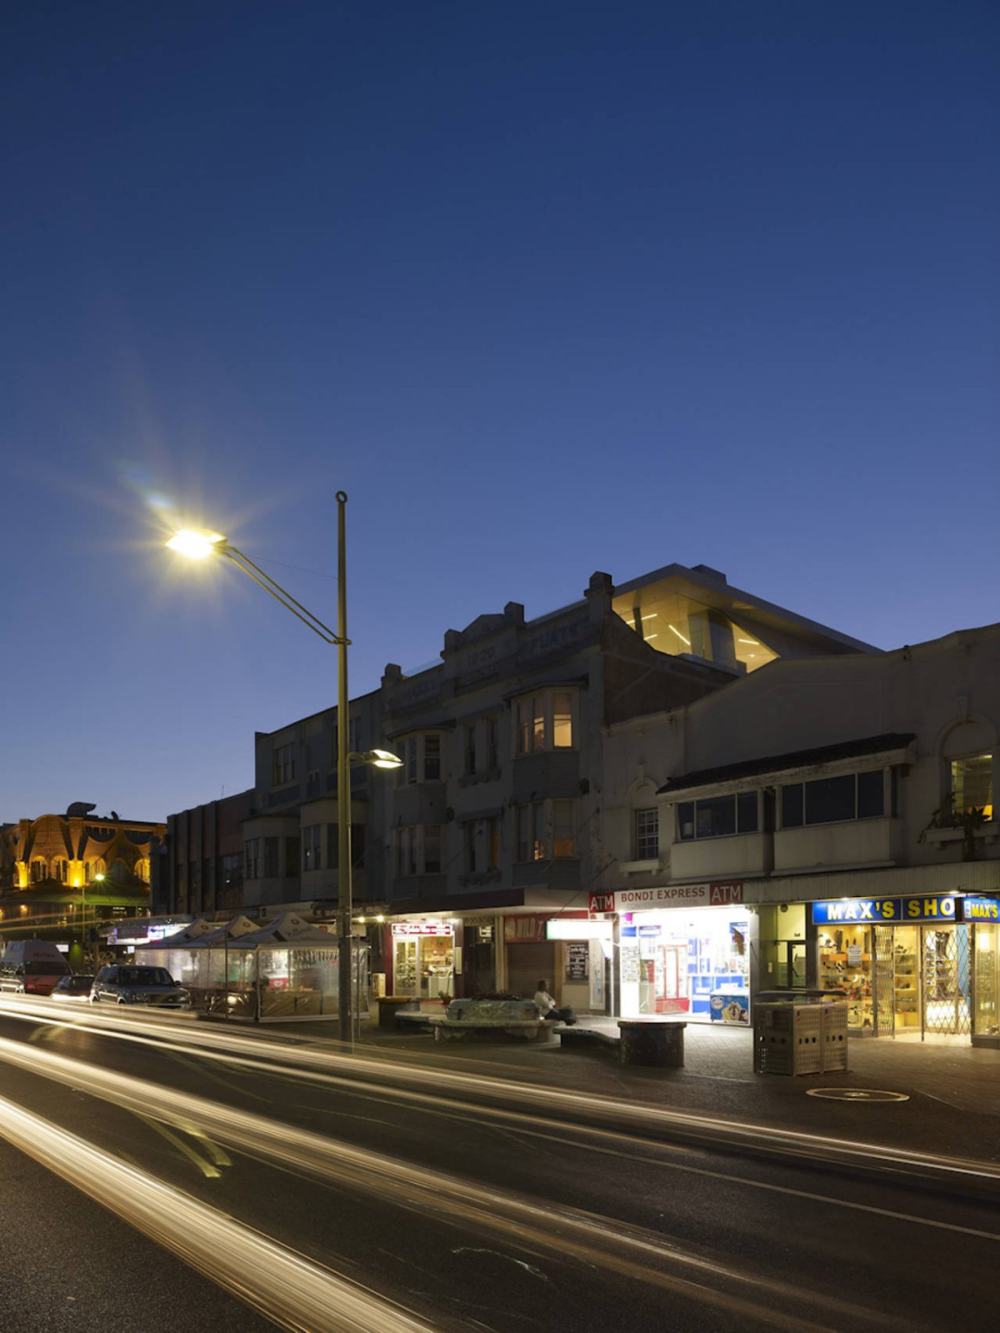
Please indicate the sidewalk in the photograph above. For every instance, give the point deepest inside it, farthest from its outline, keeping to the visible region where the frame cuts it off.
(953, 1092)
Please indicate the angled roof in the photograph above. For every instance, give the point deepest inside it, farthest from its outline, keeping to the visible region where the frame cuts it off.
(775, 763)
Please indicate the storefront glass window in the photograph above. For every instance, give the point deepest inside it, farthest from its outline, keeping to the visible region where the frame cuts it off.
(987, 982)
(845, 964)
(695, 963)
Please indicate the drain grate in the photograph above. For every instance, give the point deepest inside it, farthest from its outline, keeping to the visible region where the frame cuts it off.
(857, 1095)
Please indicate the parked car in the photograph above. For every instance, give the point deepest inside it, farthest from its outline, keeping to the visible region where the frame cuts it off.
(128, 983)
(32, 978)
(75, 987)
(31, 967)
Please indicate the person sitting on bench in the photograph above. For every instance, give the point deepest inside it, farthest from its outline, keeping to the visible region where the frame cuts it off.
(548, 1008)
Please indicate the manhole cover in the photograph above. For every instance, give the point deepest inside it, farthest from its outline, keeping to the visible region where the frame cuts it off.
(857, 1095)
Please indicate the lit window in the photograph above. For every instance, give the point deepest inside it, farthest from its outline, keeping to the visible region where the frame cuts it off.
(972, 784)
(562, 720)
(544, 721)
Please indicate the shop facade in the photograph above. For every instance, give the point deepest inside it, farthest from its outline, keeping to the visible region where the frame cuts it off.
(682, 950)
(921, 966)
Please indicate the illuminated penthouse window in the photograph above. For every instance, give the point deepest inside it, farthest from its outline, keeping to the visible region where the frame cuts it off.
(677, 625)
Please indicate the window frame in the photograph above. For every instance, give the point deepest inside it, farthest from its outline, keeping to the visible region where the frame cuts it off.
(536, 720)
(646, 846)
(737, 830)
(803, 800)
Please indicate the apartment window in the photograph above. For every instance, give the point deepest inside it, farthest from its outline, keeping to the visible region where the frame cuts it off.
(563, 828)
(39, 871)
(544, 721)
(432, 758)
(469, 846)
(972, 784)
(269, 857)
(418, 849)
(312, 856)
(469, 739)
(333, 846)
(717, 816)
(421, 757)
(493, 842)
(61, 868)
(284, 765)
(833, 800)
(531, 831)
(232, 870)
(646, 834)
(251, 858)
(492, 747)
(562, 720)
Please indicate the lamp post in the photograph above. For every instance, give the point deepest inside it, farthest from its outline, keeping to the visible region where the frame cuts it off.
(197, 545)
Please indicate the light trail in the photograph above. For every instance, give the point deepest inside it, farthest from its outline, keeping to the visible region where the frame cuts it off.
(286, 1287)
(258, 1052)
(567, 1233)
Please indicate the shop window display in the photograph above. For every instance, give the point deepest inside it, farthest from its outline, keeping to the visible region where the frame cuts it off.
(845, 964)
(686, 963)
(987, 981)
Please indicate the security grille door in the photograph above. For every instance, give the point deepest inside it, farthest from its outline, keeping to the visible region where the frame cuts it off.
(885, 1014)
(947, 980)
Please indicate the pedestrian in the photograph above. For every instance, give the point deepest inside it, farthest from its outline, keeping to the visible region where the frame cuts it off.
(548, 1008)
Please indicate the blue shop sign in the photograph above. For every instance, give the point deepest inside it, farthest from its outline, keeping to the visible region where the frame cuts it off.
(885, 911)
(974, 907)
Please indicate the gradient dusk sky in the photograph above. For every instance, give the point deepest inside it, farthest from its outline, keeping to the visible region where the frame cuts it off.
(547, 287)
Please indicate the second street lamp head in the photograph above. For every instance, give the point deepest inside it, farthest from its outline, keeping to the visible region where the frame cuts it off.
(196, 544)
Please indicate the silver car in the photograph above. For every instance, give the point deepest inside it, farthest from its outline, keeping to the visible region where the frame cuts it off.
(128, 983)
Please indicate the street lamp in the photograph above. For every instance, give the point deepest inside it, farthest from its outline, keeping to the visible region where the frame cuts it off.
(196, 544)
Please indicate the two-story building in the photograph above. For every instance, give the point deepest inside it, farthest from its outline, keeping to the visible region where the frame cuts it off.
(823, 824)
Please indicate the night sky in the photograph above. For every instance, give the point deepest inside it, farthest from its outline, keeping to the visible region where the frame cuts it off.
(547, 287)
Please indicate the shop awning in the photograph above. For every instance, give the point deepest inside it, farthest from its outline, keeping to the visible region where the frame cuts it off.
(775, 763)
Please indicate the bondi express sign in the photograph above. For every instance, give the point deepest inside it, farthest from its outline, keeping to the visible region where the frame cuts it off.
(668, 895)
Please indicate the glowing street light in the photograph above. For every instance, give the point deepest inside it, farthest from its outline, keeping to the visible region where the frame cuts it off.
(197, 544)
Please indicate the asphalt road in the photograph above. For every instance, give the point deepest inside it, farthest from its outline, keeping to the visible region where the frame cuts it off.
(409, 1183)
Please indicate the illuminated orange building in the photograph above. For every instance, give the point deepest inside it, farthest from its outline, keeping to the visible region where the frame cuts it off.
(58, 871)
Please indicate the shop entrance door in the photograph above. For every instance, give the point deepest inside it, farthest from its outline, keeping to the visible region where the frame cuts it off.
(946, 981)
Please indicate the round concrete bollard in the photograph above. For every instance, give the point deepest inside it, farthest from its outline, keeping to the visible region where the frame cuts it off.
(651, 1043)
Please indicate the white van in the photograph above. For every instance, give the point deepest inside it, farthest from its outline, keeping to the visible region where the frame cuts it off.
(31, 967)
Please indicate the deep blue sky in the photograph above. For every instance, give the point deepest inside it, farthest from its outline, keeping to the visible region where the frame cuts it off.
(548, 287)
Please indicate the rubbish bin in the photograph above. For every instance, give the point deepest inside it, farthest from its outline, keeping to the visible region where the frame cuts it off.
(645, 1042)
(391, 1005)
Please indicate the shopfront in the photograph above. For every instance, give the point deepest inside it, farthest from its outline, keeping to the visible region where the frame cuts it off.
(685, 950)
(921, 967)
(423, 959)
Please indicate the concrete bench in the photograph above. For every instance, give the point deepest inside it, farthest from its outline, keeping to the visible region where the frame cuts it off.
(513, 1018)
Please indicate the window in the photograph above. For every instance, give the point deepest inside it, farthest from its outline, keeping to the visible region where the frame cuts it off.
(39, 872)
(717, 816)
(544, 721)
(493, 842)
(469, 846)
(833, 800)
(421, 757)
(646, 835)
(562, 720)
(418, 849)
(269, 857)
(492, 748)
(470, 748)
(61, 870)
(531, 831)
(563, 829)
(972, 784)
(284, 765)
(232, 870)
(312, 856)
(333, 846)
(251, 858)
